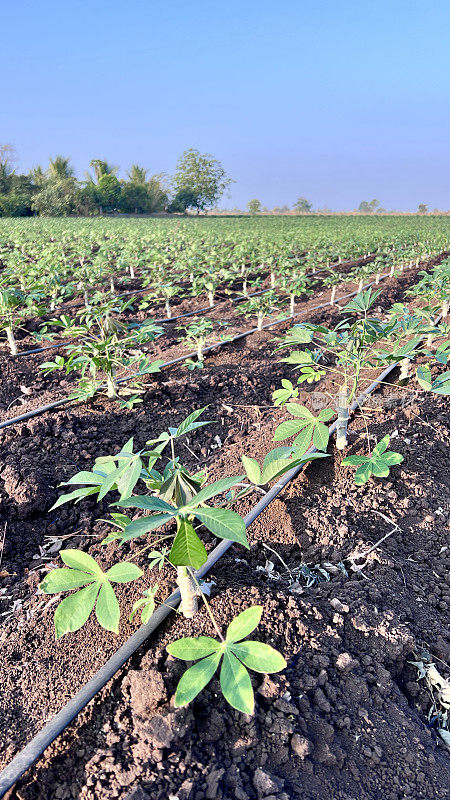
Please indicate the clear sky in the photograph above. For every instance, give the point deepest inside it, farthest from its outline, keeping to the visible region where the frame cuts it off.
(336, 101)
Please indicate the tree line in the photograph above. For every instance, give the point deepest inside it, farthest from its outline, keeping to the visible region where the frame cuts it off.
(198, 183)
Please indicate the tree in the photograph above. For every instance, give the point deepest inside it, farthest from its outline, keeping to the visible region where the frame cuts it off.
(199, 178)
(101, 168)
(422, 209)
(137, 175)
(302, 206)
(8, 157)
(108, 192)
(184, 199)
(368, 208)
(254, 207)
(60, 169)
(57, 198)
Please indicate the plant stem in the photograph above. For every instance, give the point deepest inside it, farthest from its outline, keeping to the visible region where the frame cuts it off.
(188, 591)
(11, 340)
(342, 420)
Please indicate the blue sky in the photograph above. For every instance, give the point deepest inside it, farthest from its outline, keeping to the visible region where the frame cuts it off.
(338, 102)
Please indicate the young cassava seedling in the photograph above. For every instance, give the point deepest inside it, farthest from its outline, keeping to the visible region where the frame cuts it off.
(177, 495)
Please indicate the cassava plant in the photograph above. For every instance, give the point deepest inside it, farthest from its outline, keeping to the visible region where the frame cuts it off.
(174, 500)
(103, 350)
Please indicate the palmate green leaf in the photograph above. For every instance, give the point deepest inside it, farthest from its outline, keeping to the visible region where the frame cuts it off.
(379, 467)
(259, 656)
(190, 648)
(73, 611)
(235, 684)
(223, 523)
(187, 550)
(107, 609)
(321, 436)
(392, 458)
(245, 622)
(195, 679)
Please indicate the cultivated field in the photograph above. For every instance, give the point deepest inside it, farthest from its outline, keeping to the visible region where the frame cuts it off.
(119, 341)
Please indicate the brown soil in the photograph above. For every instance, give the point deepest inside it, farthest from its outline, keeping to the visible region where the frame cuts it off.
(347, 719)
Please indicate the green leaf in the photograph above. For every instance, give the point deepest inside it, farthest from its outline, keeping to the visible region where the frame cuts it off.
(300, 411)
(187, 550)
(91, 478)
(355, 461)
(362, 474)
(441, 385)
(107, 609)
(252, 469)
(259, 657)
(190, 648)
(76, 495)
(288, 428)
(390, 458)
(302, 442)
(129, 479)
(147, 504)
(321, 436)
(144, 525)
(380, 447)
(195, 679)
(423, 375)
(188, 424)
(218, 487)
(124, 572)
(61, 580)
(244, 623)
(379, 468)
(236, 684)
(73, 611)
(77, 559)
(223, 523)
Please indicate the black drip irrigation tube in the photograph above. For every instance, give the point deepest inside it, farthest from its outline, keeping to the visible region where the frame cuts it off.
(36, 747)
(37, 411)
(202, 310)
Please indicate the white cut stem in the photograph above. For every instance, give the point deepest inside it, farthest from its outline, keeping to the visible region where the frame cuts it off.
(86, 298)
(260, 321)
(292, 307)
(405, 369)
(272, 279)
(342, 420)
(391, 273)
(244, 286)
(188, 590)
(333, 294)
(11, 341)
(211, 299)
(132, 275)
(111, 389)
(377, 279)
(360, 285)
(445, 308)
(200, 351)
(111, 284)
(168, 310)
(430, 340)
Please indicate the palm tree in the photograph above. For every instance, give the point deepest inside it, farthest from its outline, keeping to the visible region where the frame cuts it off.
(137, 175)
(60, 168)
(101, 168)
(37, 176)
